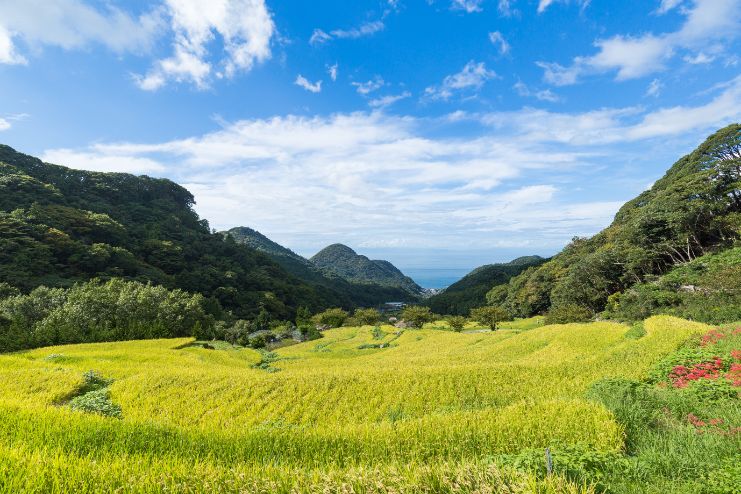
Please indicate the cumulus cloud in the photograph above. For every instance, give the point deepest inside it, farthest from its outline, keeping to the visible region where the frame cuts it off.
(707, 24)
(4, 124)
(72, 24)
(417, 181)
(320, 36)
(314, 87)
(245, 27)
(472, 77)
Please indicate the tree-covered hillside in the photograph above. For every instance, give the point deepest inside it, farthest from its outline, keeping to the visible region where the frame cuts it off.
(692, 212)
(346, 293)
(470, 291)
(59, 226)
(344, 262)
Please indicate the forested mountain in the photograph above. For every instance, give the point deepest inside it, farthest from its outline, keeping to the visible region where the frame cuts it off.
(346, 263)
(346, 293)
(681, 224)
(59, 226)
(470, 291)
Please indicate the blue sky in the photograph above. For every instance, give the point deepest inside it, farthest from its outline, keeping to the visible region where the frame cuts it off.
(433, 133)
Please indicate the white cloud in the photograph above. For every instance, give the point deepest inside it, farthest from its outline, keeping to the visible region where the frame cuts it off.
(654, 88)
(472, 76)
(498, 40)
(384, 101)
(700, 58)
(505, 8)
(524, 175)
(103, 161)
(542, 95)
(367, 29)
(245, 28)
(667, 5)
(72, 24)
(332, 71)
(4, 124)
(368, 87)
(708, 23)
(314, 87)
(467, 5)
(544, 4)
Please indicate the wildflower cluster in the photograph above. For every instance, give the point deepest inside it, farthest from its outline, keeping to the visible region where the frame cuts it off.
(681, 375)
(716, 426)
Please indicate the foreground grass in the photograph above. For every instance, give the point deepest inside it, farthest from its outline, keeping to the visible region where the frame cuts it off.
(428, 410)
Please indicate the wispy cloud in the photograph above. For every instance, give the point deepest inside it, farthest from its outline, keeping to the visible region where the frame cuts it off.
(472, 77)
(368, 87)
(4, 124)
(468, 6)
(332, 71)
(542, 94)
(314, 87)
(654, 88)
(498, 40)
(706, 23)
(384, 101)
(320, 36)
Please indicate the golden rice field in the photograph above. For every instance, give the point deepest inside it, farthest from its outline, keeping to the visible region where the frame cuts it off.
(356, 411)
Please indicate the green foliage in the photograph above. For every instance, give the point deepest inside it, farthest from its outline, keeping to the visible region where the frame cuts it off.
(367, 316)
(100, 311)
(693, 210)
(332, 318)
(94, 397)
(457, 323)
(416, 315)
(471, 290)
(490, 315)
(706, 289)
(566, 313)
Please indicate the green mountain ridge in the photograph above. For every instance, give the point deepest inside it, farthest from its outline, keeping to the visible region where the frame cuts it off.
(344, 262)
(692, 212)
(59, 226)
(470, 291)
(349, 293)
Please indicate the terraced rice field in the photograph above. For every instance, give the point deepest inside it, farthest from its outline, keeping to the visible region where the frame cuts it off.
(359, 410)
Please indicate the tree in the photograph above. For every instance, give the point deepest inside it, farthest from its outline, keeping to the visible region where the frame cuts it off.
(367, 317)
(332, 318)
(457, 323)
(490, 315)
(416, 315)
(562, 314)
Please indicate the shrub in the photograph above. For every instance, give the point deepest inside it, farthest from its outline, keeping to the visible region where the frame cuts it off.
(457, 323)
(563, 314)
(416, 315)
(332, 318)
(367, 317)
(490, 315)
(99, 402)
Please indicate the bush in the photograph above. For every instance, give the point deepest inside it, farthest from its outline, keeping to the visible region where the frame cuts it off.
(457, 323)
(416, 316)
(99, 402)
(332, 318)
(563, 314)
(490, 315)
(367, 317)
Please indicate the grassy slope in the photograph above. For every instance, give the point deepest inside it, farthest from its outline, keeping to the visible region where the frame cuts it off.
(431, 402)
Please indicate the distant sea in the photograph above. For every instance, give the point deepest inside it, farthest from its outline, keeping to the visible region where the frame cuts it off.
(435, 277)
